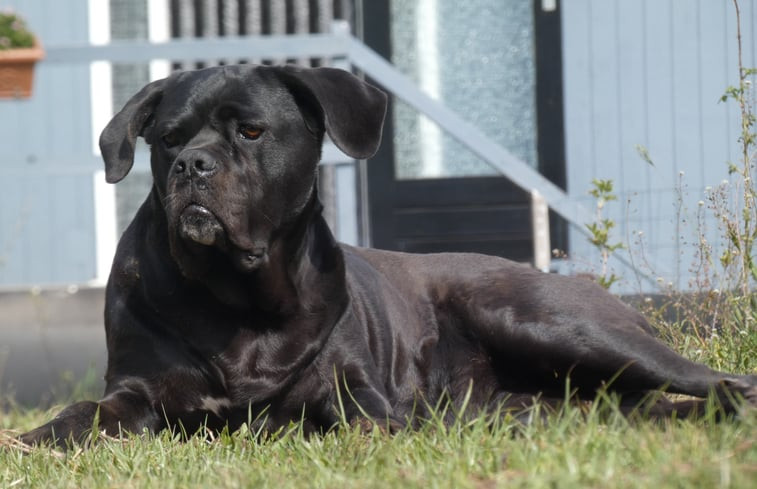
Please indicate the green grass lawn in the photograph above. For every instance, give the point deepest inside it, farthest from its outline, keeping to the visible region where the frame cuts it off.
(579, 447)
(575, 449)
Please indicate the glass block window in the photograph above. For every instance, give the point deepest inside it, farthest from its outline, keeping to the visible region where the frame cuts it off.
(477, 57)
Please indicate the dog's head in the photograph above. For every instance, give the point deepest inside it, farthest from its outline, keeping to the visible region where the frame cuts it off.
(234, 150)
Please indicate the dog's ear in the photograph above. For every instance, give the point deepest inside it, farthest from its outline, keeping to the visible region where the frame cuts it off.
(352, 110)
(118, 139)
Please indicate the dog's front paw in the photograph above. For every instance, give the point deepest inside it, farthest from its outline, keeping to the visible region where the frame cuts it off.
(44, 435)
(742, 386)
(73, 424)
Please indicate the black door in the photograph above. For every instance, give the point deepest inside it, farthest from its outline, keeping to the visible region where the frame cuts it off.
(498, 64)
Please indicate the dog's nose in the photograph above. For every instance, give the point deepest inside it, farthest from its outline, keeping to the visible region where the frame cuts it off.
(196, 162)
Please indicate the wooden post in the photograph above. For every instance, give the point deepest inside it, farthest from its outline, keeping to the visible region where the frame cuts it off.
(540, 231)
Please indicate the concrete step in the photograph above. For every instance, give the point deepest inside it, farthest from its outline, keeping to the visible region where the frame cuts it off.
(50, 339)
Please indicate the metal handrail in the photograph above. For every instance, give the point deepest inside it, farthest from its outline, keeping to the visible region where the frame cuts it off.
(337, 45)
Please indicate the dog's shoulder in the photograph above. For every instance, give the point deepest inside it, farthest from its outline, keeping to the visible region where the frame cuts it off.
(125, 270)
(142, 250)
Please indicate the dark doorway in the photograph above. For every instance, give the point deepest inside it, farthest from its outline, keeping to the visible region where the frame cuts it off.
(444, 200)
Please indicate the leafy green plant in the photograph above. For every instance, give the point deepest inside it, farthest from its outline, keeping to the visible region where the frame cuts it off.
(739, 218)
(14, 32)
(600, 230)
(734, 206)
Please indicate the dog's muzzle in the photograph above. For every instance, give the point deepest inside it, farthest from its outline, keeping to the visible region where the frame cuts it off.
(198, 224)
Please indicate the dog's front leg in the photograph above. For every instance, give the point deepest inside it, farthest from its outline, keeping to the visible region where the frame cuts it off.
(364, 405)
(366, 408)
(120, 411)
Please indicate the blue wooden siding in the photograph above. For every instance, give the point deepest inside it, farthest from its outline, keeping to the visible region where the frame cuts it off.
(46, 210)
(637, 72)
(650, 73)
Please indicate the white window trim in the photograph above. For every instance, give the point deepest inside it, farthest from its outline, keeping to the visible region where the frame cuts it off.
(158, 30)
(101, 97)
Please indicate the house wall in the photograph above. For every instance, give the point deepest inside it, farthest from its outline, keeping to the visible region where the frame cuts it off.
(636, 72)
(651, 73)
(46, 203)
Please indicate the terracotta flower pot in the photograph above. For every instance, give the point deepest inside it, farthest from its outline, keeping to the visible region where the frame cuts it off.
(17, 71)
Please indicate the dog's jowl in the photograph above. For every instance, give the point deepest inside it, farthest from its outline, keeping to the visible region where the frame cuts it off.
(229, 298)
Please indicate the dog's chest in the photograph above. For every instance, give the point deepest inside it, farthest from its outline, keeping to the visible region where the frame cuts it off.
(243, 358)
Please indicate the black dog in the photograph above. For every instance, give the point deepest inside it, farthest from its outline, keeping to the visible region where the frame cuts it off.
(229, 296)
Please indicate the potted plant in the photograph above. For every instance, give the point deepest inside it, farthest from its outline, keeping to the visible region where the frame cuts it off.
(19, 51)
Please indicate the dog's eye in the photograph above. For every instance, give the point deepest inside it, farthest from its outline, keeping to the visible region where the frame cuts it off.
(250, 132)
(170, 139)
